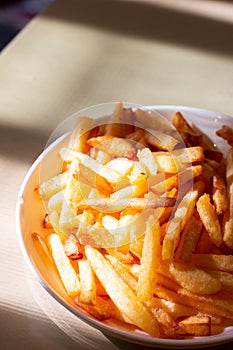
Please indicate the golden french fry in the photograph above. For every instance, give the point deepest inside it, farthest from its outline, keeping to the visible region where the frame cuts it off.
(73, 248)
(121, 294)
(228, 217)
(203, 304)
(193, 279)
(196, 325)
(52, 186)
(172, 162)
(169, 328)
(160, 140)
(178, 179)
(147, 161)
(123, 257)
(188, 240)
(112, 205)
(115, 146)
(66, 271)
(174, 309)
(87, 283)
(151, 259)
(209, 219)
(123, 272)
(175, 226)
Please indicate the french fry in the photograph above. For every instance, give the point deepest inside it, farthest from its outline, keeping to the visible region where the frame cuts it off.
(219, 195)
(228, 217)
(111, 205)
(146, 159)
(53, 185)
(169, 328)
(188, 240)
(226, 132)
(120, 293)
(176, 225)
(87, 283)
(72, 248)
(151, 259)
(209, 219)
(123, 272)
(160, 140)
(172, 162)
(115, 146)
(193, 279)
(200, 303)
(66, 271)
(196, 325)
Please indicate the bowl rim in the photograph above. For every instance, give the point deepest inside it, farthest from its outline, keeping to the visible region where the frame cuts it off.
(195, 342)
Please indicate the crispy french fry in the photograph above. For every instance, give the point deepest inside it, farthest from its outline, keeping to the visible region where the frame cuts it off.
(196, 325)
(151, 259)
(55, 184)
(160, 140)
(111, 205)
(73, 248)
(123, 272)
(87, 283)
(176, 225)
(209, 219)
(188, 240)
(228, 217)
(115, 146)
(120, 293)
(172, 162)
(67, 273)
(193, 279)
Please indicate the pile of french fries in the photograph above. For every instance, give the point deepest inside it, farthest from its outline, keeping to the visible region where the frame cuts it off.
(139, 224)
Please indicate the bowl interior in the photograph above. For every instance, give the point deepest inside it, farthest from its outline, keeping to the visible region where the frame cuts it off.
(30, 214)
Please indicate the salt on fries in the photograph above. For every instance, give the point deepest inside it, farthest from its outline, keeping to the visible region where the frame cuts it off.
(156, 211)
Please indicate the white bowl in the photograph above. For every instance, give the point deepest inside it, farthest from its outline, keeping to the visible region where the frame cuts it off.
(30, 213)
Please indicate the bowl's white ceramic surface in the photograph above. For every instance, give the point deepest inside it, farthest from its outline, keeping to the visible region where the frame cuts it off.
(30, 212)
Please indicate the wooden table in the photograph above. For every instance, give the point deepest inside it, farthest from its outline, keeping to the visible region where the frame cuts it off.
(76, 54)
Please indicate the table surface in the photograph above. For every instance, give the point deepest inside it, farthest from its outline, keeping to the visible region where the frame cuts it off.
(74, 55)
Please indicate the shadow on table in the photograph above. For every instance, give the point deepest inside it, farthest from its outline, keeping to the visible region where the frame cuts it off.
(21, 144)
(149, 21)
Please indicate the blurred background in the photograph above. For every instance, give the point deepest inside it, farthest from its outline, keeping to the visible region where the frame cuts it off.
(15, 14)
